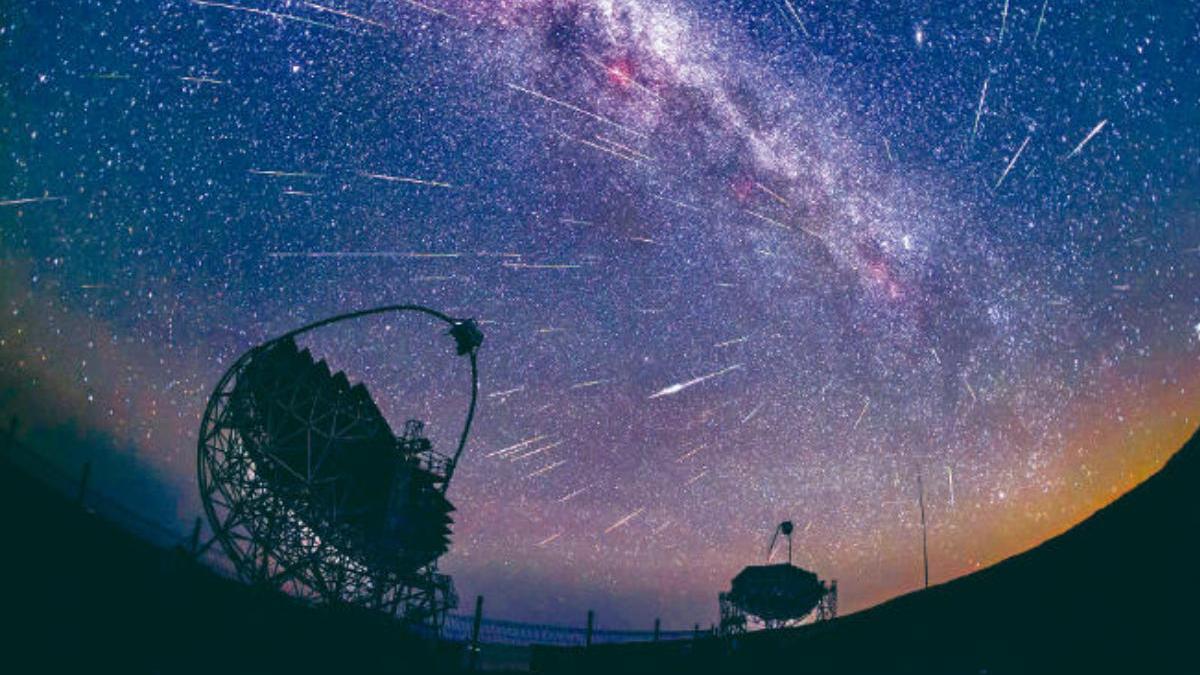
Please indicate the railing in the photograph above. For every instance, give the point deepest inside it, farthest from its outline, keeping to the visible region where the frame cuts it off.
(496, 631)
(457, 627)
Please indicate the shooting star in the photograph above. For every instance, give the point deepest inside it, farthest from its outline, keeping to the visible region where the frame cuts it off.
(546, 469)
(970, 389)
(734, 341)
(283, 174)
(201, 80)
(516, 446)
(539, 266)
(428, 8)
(536, 451)
(589, 383)
(624, 520)
(861, 414)
(676, 388)
(601, 148)
(405, 179)
(31, 200)
(1041, 20)
(754, 412)
(774, 195)
(678, 203)
(359, 254)
(1003, 23)
(573, 495)
(273, 15)
(767, 219)
(689, 453)
(625, 78)
(344, 14)
(695, 478)
(1012, 162)
(950, 478)
(1086, 139)
(795, 16)
(574, 108)
(507, 392)
(549, 539)
(979, 108)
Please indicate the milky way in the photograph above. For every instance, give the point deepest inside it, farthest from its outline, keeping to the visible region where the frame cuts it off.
(737, 262)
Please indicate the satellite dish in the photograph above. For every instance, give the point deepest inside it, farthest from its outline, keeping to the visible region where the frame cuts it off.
(775, 596)
(311, 491)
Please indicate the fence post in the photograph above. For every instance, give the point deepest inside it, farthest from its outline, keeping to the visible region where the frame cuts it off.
(475, 632)
(194, 541)
(657, 624)
(696, 632)
(591, 622)
(83, 482)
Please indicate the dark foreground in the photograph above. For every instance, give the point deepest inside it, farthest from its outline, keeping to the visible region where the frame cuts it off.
(82, 596)
(1115, 594)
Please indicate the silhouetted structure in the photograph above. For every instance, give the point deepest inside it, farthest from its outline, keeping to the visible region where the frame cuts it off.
(1048, 610)
(310, 491)
(775, 595)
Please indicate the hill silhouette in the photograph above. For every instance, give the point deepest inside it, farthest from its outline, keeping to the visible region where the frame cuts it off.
(1116, 593)
(80, 594)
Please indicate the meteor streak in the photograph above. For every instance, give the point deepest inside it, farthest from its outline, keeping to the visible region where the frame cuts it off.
(624, 520)
(516, 446)
(31, 200)
(359, 254)
(284, 174)
(201, 80)
(732, 342)
(539, 266)
(344, 14)
(536, 451)
(795, 16)
(546, 469)
(754, 412)
(979, 109)
(406, 179)
(1091, 134)
(574, 108)
(866, 405)
(273, 15)
(589, 383)
(774, 195)
(1012, 162)
(1041, 20)
(567, 498)
(549, 539)
(676, 388)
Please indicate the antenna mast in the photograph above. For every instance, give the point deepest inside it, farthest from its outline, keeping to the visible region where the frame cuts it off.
(924, 533)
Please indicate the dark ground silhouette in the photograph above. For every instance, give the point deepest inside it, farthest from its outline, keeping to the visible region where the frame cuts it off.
(1115, 594)
(81, 595)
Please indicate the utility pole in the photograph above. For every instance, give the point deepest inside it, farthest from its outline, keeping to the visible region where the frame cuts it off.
(475, 633)
(924, 535)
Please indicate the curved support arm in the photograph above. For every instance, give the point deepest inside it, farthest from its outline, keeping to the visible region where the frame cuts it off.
(464, 331)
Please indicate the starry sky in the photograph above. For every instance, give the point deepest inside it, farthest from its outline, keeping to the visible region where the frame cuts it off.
(737, 262)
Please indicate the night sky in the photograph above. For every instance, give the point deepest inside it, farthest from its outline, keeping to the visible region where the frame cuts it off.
(737, 262)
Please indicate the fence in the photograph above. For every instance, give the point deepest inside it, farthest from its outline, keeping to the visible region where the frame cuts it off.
(457, 628)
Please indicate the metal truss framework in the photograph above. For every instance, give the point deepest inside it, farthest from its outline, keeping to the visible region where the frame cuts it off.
(263, 530)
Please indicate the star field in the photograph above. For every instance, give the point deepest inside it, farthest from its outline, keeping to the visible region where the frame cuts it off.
(737, 262)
